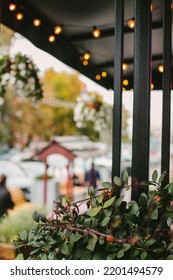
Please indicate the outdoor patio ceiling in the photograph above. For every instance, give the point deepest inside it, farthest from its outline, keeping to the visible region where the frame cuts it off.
(139, 50)
(78, 19)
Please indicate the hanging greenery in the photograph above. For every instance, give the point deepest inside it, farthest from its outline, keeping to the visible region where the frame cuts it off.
(91, 109)
(21, 73)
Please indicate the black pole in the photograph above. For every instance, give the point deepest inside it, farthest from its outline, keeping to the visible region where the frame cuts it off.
(141, 109)
(117, 106)
(166, 111)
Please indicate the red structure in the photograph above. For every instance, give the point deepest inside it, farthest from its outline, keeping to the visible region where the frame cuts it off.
(56, 148)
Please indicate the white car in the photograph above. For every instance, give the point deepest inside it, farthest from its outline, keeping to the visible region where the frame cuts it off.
(16, 177)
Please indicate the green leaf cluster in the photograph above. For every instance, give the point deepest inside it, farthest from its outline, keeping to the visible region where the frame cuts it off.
(111, 229)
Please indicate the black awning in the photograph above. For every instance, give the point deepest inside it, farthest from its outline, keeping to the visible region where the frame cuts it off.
(78, 19)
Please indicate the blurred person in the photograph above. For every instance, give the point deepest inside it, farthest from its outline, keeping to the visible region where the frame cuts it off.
(92, 177)
(5, 197)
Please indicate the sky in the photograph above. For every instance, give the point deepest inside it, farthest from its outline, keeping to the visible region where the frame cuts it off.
(45, 61)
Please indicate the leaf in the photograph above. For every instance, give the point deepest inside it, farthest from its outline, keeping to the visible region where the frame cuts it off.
(144, 183)
(107, 185)
(143, 200)
(92, 243)
(76, 237)
(154, 214)
(19, 257)
(170, 246)
(126, 246)
(120, 254)
(150, 242)
(101, 240)
(52, 256)
(117, 181)
(36, 216)
(159, 250)
(169, 221)
(170, 188)
(87, 222)
(64, 249)
(161, 178)
(133, 208)
(125, 177)
(112, 256)
(128, 187)
(119, 201)
(105, 221)
(43, 256)
(109, 202)
(23, 235)
(155, 175)
(91, 191)
(143, 255)
(94, 211)
(134, 254)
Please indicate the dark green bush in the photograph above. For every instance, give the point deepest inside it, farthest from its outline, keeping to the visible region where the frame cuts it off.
(111, 229)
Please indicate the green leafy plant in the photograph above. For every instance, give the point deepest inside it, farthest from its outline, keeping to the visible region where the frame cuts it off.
(111, 229)
(20, 72)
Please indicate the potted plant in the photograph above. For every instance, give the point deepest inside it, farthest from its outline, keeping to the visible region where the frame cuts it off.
(111, 228)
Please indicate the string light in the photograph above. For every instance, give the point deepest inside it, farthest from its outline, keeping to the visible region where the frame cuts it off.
(125, 66)
(152, 86)
(58, 29)
(51, 38)
(87, 56)
(85, 62)
(160, 68)
(19, 16)
(104, 74)
(36, 22)
(125, 82)
(12, 7)
(96, 32)
(98, 77)
(131, 24)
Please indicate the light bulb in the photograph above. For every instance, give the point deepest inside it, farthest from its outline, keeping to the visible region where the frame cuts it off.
(131, 24)
(125, 82)
(51, 38)
(160, 68)
(57, 29)
(96, 32)
(104, 74)
(19, 16)
(36, 22)
(125, 66)
(87, 56)
(85, 62)
(152, 86)
(98, 77)
(12, 7)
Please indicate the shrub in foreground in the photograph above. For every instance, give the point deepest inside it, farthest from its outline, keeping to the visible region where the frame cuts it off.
(111, 228)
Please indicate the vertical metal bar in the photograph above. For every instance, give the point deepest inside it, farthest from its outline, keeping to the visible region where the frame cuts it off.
(141, 109)
(166, 112)
(117, 106)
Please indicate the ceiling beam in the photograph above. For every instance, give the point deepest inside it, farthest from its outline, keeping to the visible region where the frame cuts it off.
(130, 60)
(107, 32)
